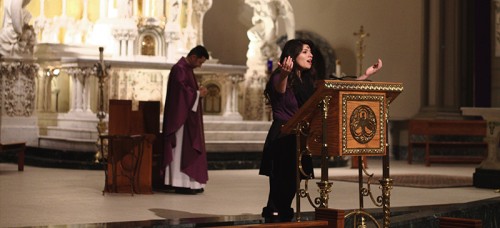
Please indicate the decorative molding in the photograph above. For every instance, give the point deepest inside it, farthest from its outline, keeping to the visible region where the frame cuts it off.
(364, 87)
(19, 88)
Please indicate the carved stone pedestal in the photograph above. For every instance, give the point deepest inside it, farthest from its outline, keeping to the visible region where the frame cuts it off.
(487, 175)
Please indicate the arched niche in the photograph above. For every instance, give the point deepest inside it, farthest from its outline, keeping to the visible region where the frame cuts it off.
(150, 42)
(212, 103)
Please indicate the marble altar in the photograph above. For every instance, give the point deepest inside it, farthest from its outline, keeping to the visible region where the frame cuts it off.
(141, 40)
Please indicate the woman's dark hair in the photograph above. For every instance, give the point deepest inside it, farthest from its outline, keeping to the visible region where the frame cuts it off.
(293, 48)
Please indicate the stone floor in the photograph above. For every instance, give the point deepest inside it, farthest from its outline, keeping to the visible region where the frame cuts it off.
(54, 197)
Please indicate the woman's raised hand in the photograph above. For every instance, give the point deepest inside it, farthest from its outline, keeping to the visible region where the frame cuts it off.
(286, 66)
(371, 70)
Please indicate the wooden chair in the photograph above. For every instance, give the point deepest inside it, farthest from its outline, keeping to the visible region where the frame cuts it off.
(20, 147)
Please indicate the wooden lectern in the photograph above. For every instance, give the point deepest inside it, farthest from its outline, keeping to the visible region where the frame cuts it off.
(344, 118)
(131, 145)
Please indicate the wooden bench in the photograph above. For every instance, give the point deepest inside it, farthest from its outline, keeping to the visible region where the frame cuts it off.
(449, 222)
(447, 134)
(303, 224)
(20, 147)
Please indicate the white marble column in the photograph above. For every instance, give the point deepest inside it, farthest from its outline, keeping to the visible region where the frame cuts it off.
(40, 83)
(47, 91)
(103, 13)
(80, 93)
(147, 8)
(44, 91)
(125, 37)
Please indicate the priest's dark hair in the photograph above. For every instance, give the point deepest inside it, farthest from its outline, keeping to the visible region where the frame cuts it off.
(199, 51)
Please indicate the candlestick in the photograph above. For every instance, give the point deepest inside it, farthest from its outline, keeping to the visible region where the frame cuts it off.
(338, 71)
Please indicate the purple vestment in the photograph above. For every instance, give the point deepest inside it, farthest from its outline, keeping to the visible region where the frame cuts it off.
(181, 95)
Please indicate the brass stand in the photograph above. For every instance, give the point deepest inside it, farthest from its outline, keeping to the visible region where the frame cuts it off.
(101, 73)
(345, 118)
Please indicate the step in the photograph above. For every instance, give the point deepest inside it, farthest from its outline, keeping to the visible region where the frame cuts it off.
(73, 144)
(236, 125)
(65, 132)
(234, 146)
(235, 135)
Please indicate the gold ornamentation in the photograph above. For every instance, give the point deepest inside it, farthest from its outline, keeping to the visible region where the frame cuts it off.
(360, 218)
(101, 72)
(361, 47)
(355, 151)
(367, 191)
(386, 185)
(373, 87)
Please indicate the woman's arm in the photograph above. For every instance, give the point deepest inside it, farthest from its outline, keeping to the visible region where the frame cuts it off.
(371, 70)
(286, 68)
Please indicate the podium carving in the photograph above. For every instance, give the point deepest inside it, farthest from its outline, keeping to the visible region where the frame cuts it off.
(345, 118)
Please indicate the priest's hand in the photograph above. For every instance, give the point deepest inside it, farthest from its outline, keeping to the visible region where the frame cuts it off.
(203, 91)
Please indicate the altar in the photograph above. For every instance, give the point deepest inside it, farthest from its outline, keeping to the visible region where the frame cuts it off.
(50, 90)
(48, 82)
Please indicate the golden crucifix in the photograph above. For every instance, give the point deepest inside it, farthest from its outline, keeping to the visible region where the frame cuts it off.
(361, 47)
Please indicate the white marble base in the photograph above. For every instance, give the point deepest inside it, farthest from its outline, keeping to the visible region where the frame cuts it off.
(76, 131)
(19, 129)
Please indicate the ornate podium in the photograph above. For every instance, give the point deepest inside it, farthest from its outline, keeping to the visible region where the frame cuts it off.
(345, 118)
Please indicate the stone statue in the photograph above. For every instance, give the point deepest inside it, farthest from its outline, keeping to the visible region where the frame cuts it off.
(264, 33)
(262, 49)
(125, 9)
(17, 37)
(200, 7)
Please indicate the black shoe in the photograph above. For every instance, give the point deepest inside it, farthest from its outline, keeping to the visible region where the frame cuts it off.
(165, 189)
(286, 215)
(270, 215)
(188, 191)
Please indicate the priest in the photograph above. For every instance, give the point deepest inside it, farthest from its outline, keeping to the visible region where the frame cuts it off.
(185, 156)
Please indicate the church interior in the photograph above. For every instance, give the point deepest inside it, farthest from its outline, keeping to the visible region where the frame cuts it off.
(82, 79)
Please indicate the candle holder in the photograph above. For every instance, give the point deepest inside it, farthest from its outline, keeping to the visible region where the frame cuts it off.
(101, 72)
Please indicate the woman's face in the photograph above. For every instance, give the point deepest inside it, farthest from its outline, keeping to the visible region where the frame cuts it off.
(304, 59)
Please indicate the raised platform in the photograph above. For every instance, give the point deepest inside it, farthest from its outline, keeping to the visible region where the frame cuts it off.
(43, 157)
(401, 217)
